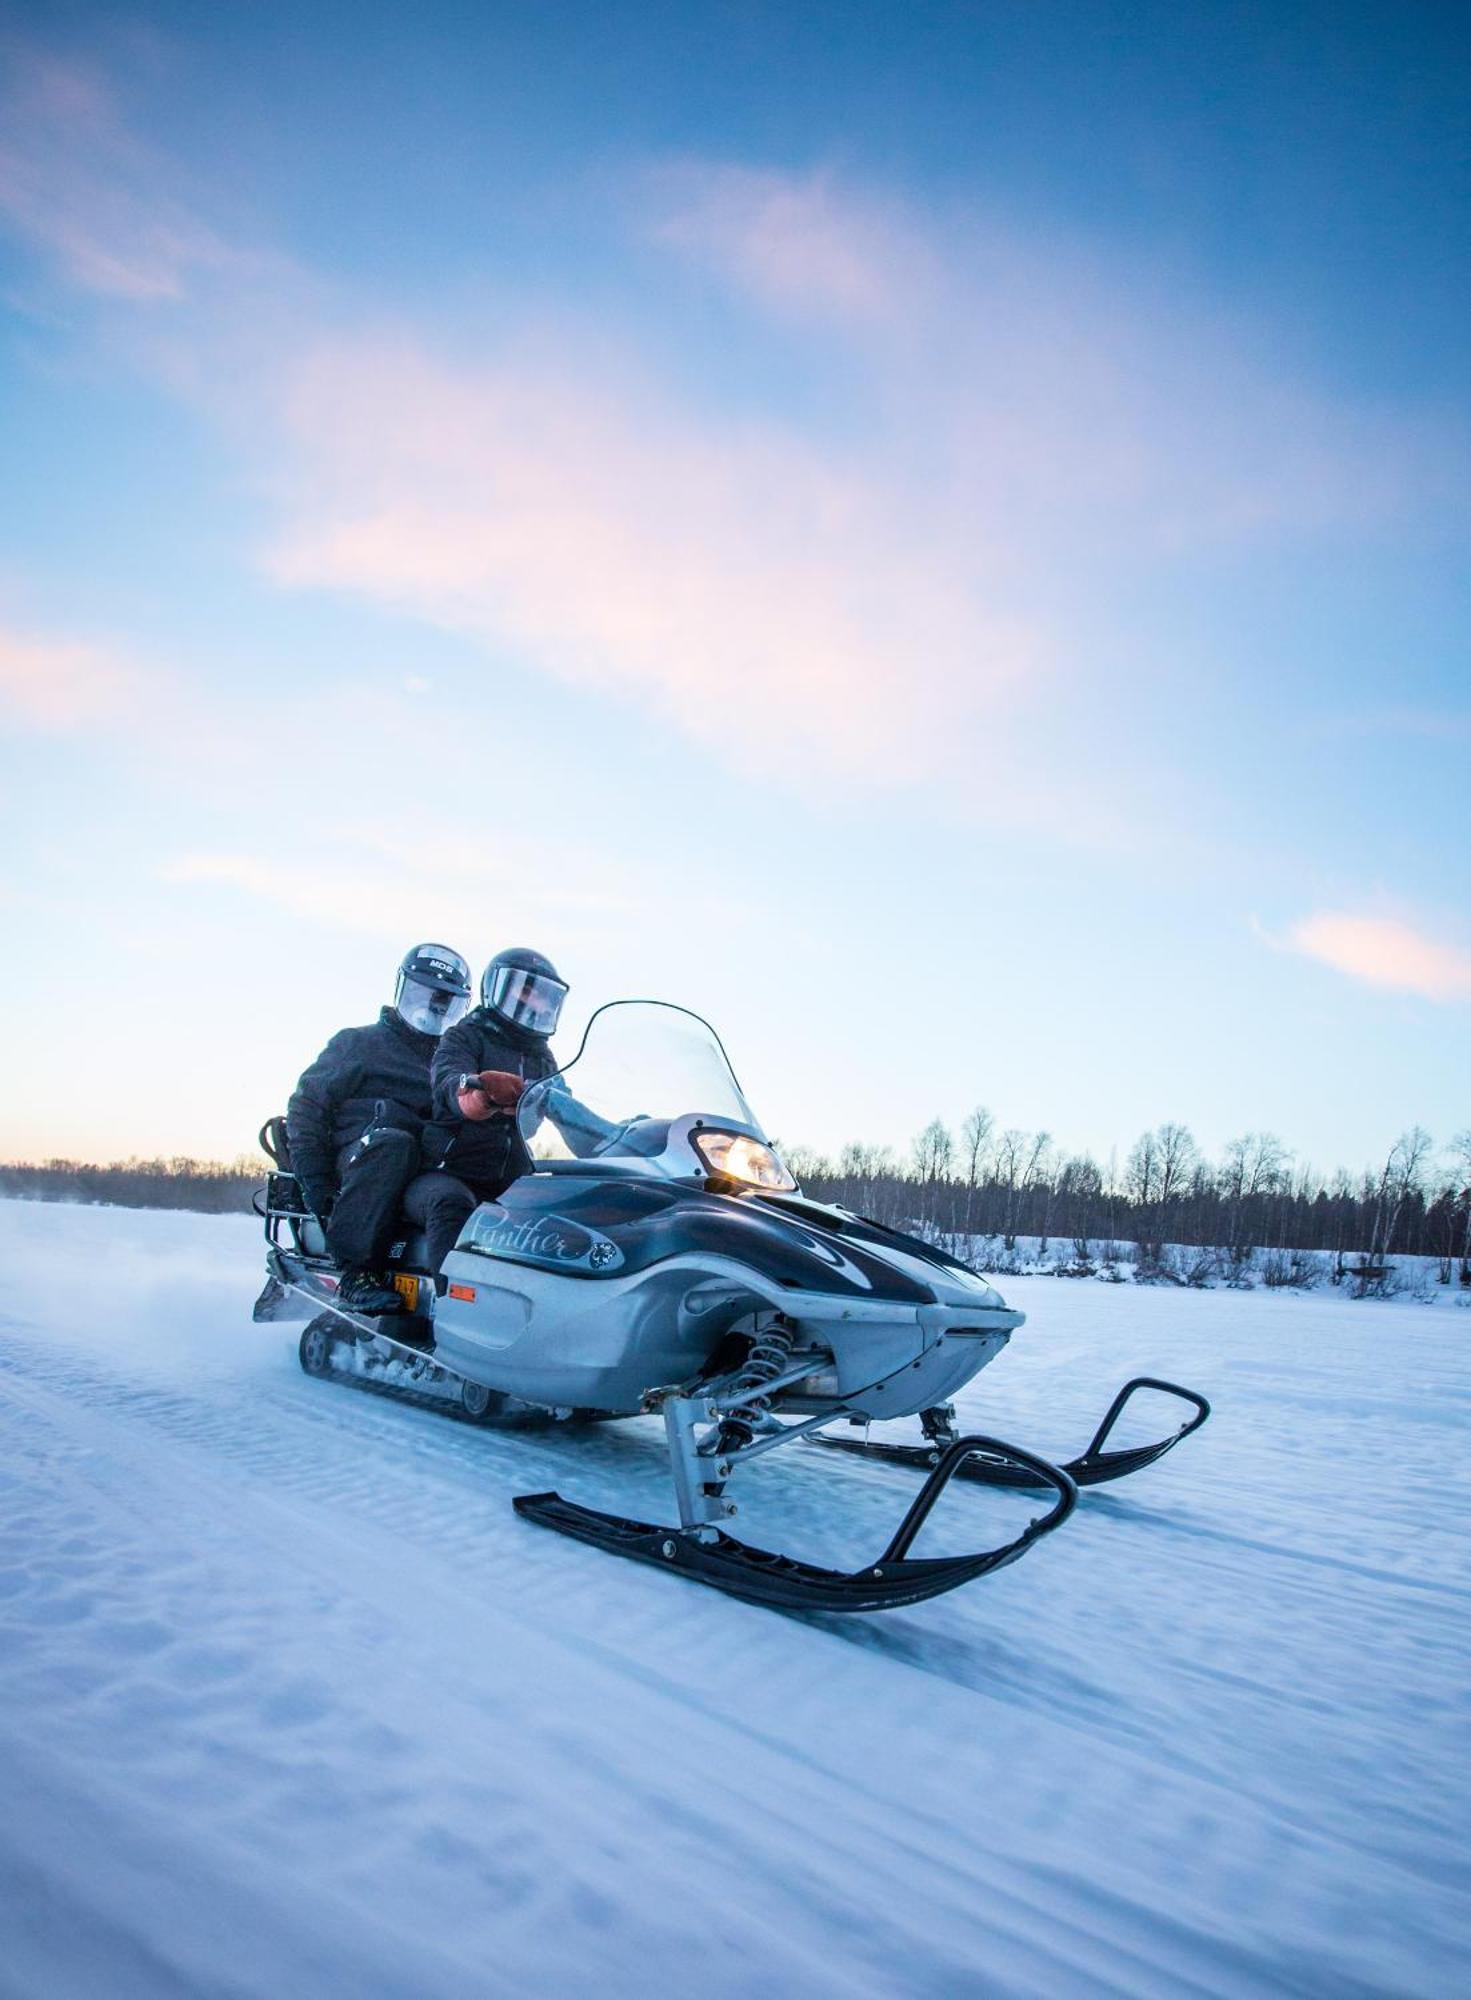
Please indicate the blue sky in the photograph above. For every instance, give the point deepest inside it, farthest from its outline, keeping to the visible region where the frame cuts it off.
(935, 536)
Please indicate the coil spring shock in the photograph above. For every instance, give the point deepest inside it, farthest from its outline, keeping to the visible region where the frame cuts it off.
(771, 1350)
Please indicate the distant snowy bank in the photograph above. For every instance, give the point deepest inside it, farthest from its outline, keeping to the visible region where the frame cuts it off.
(1418, 1280)
(1351, 1273)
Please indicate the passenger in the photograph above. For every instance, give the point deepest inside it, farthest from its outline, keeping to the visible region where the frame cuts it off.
(472, 1148)
(356, 1118)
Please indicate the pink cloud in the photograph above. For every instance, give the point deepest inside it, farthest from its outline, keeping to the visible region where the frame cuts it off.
(54, 684)
(1383, 951)
(83, 188)
(779, 602)
(799, 243)
(1053, 392)
(882, 595)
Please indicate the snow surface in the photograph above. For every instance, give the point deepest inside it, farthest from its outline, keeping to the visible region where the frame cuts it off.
(292, 1703)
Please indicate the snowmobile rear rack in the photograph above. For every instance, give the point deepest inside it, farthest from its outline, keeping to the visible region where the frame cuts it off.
(1093, 1467)
(763, 1577)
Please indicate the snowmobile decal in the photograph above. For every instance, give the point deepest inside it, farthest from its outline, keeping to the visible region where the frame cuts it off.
(551, 1241)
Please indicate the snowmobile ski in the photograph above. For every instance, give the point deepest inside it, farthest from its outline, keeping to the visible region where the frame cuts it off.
(764, 1577)
(1094, 1467)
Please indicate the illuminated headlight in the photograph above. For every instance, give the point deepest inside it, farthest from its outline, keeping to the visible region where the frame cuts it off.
(735, 1156)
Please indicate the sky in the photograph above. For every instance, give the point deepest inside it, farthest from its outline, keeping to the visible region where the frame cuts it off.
(934, 536)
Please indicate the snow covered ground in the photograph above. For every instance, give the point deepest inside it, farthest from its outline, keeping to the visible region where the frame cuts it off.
(292, 1703)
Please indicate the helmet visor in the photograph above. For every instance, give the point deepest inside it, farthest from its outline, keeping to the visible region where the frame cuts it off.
(529, 999)
(430, 1009)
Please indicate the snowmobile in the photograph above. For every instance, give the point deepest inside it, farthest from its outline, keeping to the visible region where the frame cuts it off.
(658, 1257)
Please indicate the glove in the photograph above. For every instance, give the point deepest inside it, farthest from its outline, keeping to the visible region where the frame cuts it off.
(502, 1086)
(319, 1201)
(493, 1093)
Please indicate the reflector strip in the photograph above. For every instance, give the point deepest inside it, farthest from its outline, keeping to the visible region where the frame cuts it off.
(462, 1291)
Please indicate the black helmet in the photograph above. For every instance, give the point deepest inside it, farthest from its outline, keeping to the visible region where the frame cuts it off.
(433, 988)
(525, 989)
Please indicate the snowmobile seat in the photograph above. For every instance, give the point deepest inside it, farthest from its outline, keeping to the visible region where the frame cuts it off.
(285, 1207)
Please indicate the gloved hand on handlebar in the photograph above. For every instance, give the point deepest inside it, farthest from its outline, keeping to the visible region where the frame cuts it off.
(493, 1093)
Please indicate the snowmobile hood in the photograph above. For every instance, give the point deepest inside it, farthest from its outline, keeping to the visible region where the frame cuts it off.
(894, 1246)
(605, 1224)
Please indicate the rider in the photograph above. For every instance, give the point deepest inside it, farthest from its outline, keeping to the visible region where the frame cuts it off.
(355, 1119)
(472, 1148)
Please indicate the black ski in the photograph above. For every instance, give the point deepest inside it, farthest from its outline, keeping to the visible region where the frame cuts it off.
(1093, 1467)
(762, 1577)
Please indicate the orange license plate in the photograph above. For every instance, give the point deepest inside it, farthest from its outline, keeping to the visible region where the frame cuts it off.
(409, 1287)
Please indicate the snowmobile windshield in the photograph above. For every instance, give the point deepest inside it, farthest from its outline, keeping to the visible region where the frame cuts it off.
(431, 1009)
(652, 1090)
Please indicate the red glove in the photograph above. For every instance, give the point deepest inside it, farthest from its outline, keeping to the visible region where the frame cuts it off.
(492, 1092)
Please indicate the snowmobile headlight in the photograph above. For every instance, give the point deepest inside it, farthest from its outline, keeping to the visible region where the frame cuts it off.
(736, 1156)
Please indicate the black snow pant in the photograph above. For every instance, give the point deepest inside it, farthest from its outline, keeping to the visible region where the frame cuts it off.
(442, 1204)
(372, 1174)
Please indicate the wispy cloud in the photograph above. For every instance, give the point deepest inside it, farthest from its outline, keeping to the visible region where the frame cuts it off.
(1385, 952)
(770, 598)
(1038, 383)
(60, 684)
(800, 244)
(872, 595)
(383, 885)
(879, 592)
(78, 182)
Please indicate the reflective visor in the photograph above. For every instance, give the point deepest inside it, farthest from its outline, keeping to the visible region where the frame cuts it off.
(529, 999)
(430, 1009)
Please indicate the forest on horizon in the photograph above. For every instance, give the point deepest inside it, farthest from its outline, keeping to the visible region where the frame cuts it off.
(1011, 1187)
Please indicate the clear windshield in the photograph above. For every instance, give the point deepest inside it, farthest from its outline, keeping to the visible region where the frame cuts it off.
(643, 1066)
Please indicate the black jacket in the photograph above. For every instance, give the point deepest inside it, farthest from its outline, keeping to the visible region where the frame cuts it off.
(485, 1152)
(336, 1100)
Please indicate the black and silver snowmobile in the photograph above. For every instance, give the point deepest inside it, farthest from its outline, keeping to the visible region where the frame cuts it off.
(659, 1257)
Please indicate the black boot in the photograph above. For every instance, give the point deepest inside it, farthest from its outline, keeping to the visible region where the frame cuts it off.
(365, 1292)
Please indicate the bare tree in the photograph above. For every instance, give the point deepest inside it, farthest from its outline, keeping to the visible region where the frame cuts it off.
(934, 1153)
(1037, 1175)
(1177, 1159)
(1461, 1171)
(1399, 1179)
(975, 1151)
(1252, 1169)
(1079, 1186)
(1161, 1166)
(1011, 1154)
(804, 1163)
(1141, 1171)
(867, 1181)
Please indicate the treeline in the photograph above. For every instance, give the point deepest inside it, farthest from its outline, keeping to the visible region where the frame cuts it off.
(1254, 1202)
(178, 1183)
(1255, 1198)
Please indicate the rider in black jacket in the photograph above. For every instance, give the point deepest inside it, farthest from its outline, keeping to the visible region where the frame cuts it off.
(355, 1120)
(472, 1149)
